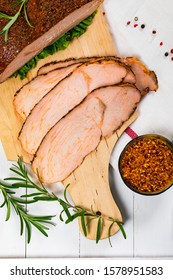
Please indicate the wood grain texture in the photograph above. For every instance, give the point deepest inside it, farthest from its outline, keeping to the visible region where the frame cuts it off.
(89, 184)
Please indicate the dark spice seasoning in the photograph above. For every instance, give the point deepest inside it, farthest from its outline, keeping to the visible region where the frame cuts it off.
(146, 164)
(42, 15)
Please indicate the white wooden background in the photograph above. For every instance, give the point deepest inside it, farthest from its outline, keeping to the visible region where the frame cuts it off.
(148, 220)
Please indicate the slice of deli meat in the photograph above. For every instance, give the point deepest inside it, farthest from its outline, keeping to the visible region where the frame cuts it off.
(120, 102)
(65, 146)
(32, 92)
(146, 80)
(61, 64)
(50, 20)
(64, 97)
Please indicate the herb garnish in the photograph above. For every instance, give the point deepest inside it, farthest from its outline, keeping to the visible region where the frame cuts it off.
(9, 190)
(40, 193)
(12, 19)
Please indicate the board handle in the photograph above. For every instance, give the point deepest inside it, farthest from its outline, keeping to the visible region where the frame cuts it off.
(90, 189)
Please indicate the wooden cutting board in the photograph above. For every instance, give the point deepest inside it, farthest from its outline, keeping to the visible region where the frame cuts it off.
(89, 184)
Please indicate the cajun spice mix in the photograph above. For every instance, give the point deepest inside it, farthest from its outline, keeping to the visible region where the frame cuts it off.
(147, 164)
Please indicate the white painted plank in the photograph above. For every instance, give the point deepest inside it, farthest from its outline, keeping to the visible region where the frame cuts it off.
(11, 243)
(62, 240)
(148, 221)
(153, 225)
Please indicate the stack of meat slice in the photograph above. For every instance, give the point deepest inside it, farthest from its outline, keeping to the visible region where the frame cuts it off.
(71, 104)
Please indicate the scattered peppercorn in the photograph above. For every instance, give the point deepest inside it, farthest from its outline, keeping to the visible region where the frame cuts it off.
(142, 26)
(146, 164)
(136, 18)
(154, 32)
(166, 53)
(135, 25)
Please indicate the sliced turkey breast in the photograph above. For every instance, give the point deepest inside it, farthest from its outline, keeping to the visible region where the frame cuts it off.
(31, 93)
(69, 141)
(79, 132)
(61, 64)
(49, 75)
(146, 80)
(65, 96)
(120, 102)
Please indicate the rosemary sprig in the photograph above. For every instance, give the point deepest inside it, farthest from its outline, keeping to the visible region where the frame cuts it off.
(12, 19)
(86, 216)
(40, 193)
(9, 190)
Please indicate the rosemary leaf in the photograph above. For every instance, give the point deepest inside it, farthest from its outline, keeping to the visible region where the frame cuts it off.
(15, 179)
(99, 230)
(65, 193)
(109, 233)
(41, 228)
(4, 185)
(83, 223)
(26, 16)
(8, 210)
(43, 198)
(121, 228)
(28, 230)
(74, 216)
(37, 224)
(64, 205)
(2, 15)
(16, 171)
(30, 195)
(20, 185)
(60, 216)
(12, 19)
(21, 223)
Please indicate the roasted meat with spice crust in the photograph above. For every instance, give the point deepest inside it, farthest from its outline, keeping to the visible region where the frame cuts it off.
(120, 102)
(69, 141)
(48, 77)
(79, 132)
(65, 96)
(50, 20)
